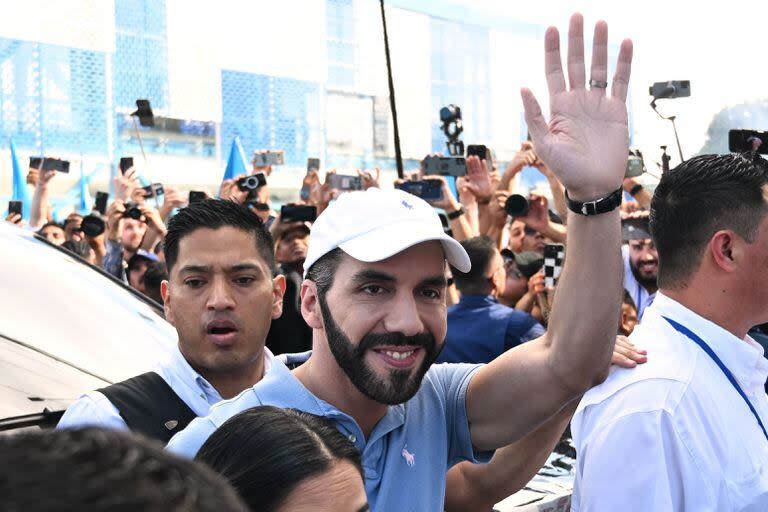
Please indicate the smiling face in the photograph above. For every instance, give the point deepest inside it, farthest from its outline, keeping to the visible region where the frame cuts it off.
(644, 262)
(221, 298)
(385, 322)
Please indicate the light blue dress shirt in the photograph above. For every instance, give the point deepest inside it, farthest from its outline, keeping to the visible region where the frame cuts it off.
(407, 455)
(94, 409)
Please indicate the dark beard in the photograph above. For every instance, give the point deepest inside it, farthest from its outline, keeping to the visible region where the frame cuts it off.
(401, 386)
(645, 282)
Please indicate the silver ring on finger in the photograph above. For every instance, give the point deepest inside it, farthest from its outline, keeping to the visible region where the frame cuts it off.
(597, 84)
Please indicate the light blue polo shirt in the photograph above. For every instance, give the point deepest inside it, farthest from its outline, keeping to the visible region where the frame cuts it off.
(409, 451)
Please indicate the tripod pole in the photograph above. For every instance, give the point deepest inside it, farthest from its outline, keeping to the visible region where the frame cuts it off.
(677, 139)
(138, 135)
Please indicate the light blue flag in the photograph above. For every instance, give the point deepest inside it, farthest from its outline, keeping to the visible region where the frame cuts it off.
(86, 202)
(20, 192)
(236, 164)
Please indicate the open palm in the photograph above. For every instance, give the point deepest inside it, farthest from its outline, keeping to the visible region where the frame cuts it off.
(586, 141)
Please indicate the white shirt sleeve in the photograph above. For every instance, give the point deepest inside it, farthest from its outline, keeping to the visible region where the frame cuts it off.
(638, 463)
(92, 410)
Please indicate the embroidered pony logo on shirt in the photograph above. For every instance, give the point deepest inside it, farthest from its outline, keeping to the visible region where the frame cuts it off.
(409, 457)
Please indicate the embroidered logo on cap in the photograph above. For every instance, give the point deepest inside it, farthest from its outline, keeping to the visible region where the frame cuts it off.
(406, 204)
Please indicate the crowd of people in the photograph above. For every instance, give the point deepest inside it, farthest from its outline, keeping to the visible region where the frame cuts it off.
(308, 371)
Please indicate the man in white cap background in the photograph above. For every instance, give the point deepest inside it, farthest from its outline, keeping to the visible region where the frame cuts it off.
(374, 295)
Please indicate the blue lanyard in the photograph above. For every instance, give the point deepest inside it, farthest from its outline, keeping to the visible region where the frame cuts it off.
(700, 342)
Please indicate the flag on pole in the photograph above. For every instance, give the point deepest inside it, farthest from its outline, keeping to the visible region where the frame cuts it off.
(236, 164)
(20, 192)
(84, 206)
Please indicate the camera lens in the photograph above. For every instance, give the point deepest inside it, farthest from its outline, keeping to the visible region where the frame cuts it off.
(132, 211)
(93, 225)
(516, 205)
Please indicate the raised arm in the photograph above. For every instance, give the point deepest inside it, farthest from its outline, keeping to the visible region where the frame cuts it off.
(585, 144)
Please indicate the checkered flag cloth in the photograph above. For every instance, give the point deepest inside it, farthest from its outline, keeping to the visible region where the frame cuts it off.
(553, 264)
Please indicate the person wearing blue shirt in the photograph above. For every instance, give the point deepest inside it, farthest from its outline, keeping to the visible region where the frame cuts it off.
(374, 295)
(221, 297)
(479, 311)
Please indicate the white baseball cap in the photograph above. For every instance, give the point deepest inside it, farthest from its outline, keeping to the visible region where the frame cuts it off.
(377, 224)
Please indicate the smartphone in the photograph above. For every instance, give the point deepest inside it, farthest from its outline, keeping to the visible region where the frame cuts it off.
(445, 165)
(747, 140)
(671, 89)
(269, 158)
(478, 150)
(54, 164)
(428, 190)
(126, 163)
(144, 113)
(35, 161)
(345, 182)
(298, 212)
(635, 165)
(252, 182)
(101, 202)
(14, 207)
(554, 255)
(153, 190)
(313, 164)
(196, 195)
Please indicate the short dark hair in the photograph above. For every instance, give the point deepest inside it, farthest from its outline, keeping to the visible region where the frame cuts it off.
(266, 452)
(97, 470)
(154, 276)
(79, 247)
(628, 300)
(215, 214)
(480, 250)
(49, 224)
(323, 271)
(696, 199)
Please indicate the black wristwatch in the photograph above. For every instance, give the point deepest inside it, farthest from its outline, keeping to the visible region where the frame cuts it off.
(455, 215)
(634, 190)
(603, 205)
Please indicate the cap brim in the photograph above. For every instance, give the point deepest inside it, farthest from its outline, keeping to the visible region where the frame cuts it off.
(386, 241)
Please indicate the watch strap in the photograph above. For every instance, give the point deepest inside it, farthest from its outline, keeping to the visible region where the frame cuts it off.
(602, 205)
(455, 215)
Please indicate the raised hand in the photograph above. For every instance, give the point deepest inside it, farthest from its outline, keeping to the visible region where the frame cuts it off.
(370, 179)
(586, 141)
(479, 180)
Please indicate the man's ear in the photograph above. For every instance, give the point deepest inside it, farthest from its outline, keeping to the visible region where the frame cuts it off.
(727, 250)
(278, 290)
(165, 292)
(310, 305)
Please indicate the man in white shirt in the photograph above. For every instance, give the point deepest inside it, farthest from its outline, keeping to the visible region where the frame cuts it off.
(685, 432)
(641, 262)
(221, 297)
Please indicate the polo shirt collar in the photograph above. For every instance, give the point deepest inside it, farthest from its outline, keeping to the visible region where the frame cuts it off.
(743, 358)
(187, 375)
(282, 389)
(477, 300)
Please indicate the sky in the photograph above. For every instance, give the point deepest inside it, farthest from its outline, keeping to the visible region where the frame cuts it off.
(718, 46)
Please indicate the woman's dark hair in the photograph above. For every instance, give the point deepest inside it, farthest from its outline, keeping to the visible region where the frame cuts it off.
(696, 199)
(266, 452)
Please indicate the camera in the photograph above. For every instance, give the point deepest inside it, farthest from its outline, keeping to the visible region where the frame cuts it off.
(517, 205)
(428, 190)
(671, 89)
(298, 212)
(196, 195)
(635, 164)
(93, 225)
(132, 211)
(748, 140)
(345, 183)
(252, 182)
(268, 158)
(445, 165)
